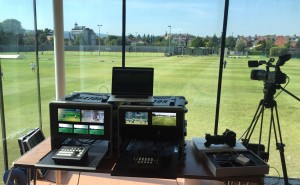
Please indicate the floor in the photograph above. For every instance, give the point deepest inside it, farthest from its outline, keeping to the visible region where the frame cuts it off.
(73, 178)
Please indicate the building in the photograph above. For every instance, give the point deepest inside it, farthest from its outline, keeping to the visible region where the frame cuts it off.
(82, 35)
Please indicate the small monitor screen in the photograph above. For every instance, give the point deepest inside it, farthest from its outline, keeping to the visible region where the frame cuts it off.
(163, 119)
(136, 118)
(93, 116)
(97, 130)
(81, 129)
(132, 81)
(65, 128)
(72, 115)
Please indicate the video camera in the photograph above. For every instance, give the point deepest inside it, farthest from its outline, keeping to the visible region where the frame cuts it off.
(228, 137)
(276, 76)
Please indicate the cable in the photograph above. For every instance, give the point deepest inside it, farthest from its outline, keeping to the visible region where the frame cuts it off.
(15, 174)
(103, 87)
(78, 177)
(49, 180)
(283, 87)
(177, 182)
(8, 177)
(278, 175)
(89, 142)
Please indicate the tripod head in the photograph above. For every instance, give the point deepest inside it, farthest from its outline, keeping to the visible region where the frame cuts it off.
(269, 91)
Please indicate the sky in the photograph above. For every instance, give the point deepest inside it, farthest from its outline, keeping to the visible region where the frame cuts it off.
(197, 17)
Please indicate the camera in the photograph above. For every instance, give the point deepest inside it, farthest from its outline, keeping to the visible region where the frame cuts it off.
(276, 76)
(228, 137)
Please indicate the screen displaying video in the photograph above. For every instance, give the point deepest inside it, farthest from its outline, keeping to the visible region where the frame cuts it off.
(65, 128)
(136, 118)
(97, 130)
(163, 119)
(81, 129)
(92, 116)
(72, 115)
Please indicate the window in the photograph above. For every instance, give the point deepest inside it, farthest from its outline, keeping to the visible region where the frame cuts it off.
(181, 40)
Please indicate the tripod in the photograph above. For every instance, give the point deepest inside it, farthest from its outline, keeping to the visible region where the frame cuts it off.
(268, 103)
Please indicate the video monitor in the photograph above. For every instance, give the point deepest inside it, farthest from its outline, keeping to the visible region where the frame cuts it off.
(136, 118)
(81, 129)
(92, 116)
(65, 128)
(151, 122)
(164, 119)
(77, 120)
(96, 130)
(72, 115)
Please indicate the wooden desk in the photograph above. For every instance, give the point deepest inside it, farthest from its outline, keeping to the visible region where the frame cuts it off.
(30, 158)
(192, 170)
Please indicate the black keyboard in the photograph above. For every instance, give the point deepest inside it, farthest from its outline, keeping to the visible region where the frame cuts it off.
(125, 96)
(70, 153)
(145, 162)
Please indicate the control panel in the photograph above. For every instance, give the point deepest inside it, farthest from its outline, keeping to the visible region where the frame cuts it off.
(70, 153)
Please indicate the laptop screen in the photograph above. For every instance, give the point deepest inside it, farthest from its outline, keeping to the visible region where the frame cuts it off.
(132, 81)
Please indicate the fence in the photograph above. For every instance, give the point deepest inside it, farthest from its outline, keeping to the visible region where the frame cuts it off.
(131, 49)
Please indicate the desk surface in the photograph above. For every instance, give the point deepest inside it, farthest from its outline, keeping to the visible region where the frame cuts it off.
(192, 168)
(33, 156)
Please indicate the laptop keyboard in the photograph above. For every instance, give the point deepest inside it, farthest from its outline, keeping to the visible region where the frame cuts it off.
(124, 96)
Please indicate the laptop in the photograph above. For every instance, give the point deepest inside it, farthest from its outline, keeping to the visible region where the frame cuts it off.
(132, 84)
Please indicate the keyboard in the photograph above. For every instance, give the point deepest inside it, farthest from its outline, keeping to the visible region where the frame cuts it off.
(70, 153)
(145, 162)
(128, 96)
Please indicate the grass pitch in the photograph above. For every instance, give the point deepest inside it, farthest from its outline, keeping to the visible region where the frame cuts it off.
(195, 77)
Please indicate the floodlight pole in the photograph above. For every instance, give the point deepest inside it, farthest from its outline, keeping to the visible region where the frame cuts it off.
(170, 39)
(135, 43)
(18, 43)
(99, 37)
(107, 38)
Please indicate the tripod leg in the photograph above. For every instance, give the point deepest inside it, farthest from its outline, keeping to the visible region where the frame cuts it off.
(279, 145)
(252, 126)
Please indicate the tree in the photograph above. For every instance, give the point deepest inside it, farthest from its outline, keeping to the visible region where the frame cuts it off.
(270, 43)
(11, 32)
(115, 40)
(213, 42)
(29, 39)
(131, 37)
(197, 42)
(287, 45)
(298, 43)
(160, 41)
(240, 45)
(206, 40)
(12, 26)
(260, 45)
(230, 42)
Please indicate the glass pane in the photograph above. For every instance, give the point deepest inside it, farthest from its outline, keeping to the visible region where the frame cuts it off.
(44, 11)
(92, 44)
(260, 30)
(19, 81)
(181, 41)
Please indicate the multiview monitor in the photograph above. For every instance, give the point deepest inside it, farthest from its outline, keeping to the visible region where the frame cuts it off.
(76, 120)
